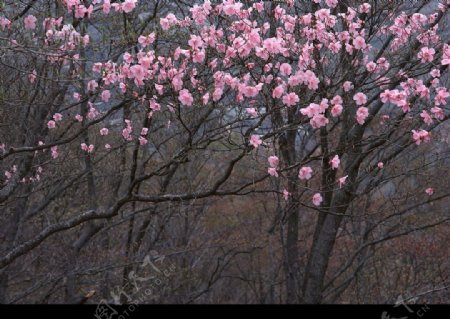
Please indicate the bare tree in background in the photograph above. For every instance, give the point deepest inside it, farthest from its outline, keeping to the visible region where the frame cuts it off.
(241, 152)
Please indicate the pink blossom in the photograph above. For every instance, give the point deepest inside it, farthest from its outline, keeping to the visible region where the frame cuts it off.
(126, 133)
(104, 131)
(273, 161)
(185, 97)
(107, 146)
(255, 141)
(311, 110)
(251, 111)
(305, 173)
(335, 47)
(380, 165)
(198, 14)
(195, 42)
(420, 136)
(154, 105)
(128, 58)
(441, 96)
(165, 25)
(336, 110)
(92, 85)
(106, 7)
(147, 40)
(426, 117)
(5, 23)
(416, 136)
(272, 171)
(144, 131)
(142, 140)
(360, 98)
(79, 118)
(342, 180)
(317, 199)
(290, 99)
(231, 8)
(318, 121)
(285, 69)
(371, 66)
(364, 8)
(361, 114)
(437, 112)
(159, 89)
(138, 73)
(429, 191)
(217, 94)
(128, 5)
(205, 99)
(250, 91)
(87, 148)
(32, 76)
(331, 3)
(337, 100)
(278, 91)
(51, 124)
(446, 56)
(349, 48)
(199, 56)
(54, 150)
(30, 22)
(359, 43)
(335, 162)
(57, 117)
(105, 96)
(92, 113)
(426, 54)
(312, 80)
(285, 194)
(435, 73)
(272, 45)
(347, 86)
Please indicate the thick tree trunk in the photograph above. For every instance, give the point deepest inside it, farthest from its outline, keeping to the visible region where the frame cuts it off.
(291, 262)
(319, 258)
(325, 238)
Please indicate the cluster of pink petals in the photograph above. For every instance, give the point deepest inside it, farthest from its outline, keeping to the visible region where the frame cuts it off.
(290, 99)
(169, 21)
(185, 97)
(420, 136)
(316, 113)
(305, 173)
(335, 161)
(342, 180)
(252, 111)
(446, 56)
(317, 199)
(360, 98)
(426, 54)
(128, 5)
(273, 163)
(255, 140)
(87, 148)
(30, 22)
(361, 114)
(127, 131)
(54, 151)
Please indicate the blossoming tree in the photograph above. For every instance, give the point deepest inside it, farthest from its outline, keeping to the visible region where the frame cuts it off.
(123, 106)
